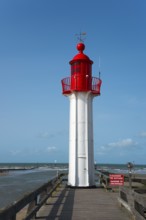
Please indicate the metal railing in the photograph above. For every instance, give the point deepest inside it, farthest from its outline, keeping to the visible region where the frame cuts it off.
(66, 83)
(95, 85)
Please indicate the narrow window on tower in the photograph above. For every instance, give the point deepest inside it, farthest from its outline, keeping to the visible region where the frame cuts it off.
(75, 68)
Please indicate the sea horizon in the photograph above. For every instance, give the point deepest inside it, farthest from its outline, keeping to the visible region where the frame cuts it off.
(38, 164)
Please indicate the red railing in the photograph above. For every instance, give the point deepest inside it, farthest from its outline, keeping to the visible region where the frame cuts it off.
(66, 82)
(95, 85)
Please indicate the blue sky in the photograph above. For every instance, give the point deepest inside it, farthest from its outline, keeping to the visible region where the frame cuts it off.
(37, 40)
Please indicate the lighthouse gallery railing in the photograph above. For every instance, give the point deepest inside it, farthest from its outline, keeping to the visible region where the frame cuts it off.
(95, 85)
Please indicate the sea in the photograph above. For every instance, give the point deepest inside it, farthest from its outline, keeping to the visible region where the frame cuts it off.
(27, 177)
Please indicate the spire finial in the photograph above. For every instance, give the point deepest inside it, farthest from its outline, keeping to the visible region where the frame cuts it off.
(81, 36)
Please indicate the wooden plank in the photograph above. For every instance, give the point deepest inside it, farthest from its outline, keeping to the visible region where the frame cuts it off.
(82, 204)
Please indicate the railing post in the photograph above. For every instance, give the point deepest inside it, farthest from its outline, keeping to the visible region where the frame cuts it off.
(13, 217)
(31, 206)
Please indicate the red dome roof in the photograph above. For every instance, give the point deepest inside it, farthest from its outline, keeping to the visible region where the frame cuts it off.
(80, 55)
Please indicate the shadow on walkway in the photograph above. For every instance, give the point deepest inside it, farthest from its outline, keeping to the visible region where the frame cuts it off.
(59, 207)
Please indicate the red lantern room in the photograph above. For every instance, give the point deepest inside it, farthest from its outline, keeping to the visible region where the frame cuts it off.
(81, 79)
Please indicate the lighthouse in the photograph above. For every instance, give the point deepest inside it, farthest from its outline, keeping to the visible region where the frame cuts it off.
(80, 87)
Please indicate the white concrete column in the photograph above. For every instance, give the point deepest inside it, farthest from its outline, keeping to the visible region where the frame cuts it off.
(91, 142)
(81, 156)
(72, 140)
(82, 146)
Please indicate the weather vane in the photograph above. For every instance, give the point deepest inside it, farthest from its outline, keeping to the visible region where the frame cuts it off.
(81, 36)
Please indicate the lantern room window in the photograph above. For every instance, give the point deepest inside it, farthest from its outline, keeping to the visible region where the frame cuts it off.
(76, 67)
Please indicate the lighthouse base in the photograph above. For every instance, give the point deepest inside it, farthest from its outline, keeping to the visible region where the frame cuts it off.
(81, 187)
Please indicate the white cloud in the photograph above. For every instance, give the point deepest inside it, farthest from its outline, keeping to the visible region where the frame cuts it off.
(15, 152)
(32, 151)
(142, 134)
(48, 135)
(45, 135)
(128, 142)
(133, 101)
(51, 149)
(124, 144)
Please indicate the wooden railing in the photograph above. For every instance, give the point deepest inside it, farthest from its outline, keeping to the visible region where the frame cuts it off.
(104, 179)
(134, 201)
(33, 201)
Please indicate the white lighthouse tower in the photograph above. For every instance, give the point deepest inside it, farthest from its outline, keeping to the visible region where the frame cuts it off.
(81, 88)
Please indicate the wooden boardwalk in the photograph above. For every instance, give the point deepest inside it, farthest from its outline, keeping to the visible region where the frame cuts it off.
(82, 204)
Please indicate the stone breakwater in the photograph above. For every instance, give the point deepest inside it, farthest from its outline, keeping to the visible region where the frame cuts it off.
(5, 170)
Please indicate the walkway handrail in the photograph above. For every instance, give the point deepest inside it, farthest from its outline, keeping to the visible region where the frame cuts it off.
(134, 201)
(104, 178)
(34, 200)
